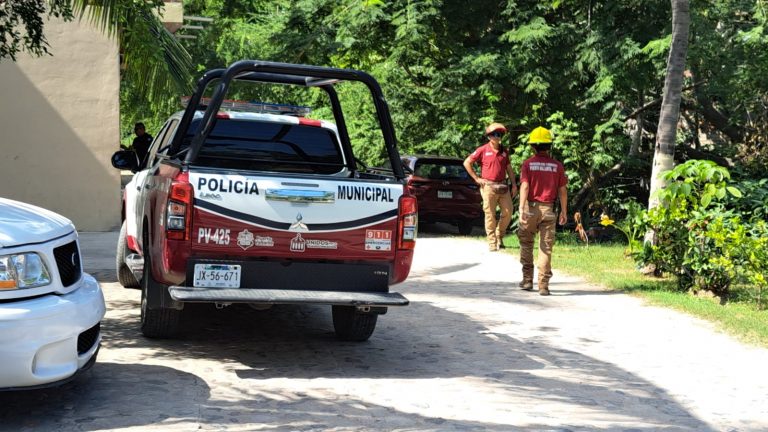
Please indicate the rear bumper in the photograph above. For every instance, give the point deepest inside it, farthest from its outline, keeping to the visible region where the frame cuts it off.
(278, 296)
(305, 275)
(48, 339)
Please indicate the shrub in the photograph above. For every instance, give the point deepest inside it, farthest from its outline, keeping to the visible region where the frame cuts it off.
(755, 260)
(704, 244)
(754, 204)
(690, 201)
(714, 259)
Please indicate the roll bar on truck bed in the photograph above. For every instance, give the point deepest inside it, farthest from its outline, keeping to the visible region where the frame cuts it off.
(291, 74)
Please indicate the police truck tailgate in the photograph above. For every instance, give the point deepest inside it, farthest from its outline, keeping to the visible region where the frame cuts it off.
(299, 218)
(288, 239)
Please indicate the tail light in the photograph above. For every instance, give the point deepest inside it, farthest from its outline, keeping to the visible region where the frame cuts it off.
(178, 217)
(415, 186)
(416, 183)
(407, 222)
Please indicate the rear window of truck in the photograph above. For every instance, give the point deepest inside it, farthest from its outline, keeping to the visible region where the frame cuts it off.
(440, 169)
(268, 146)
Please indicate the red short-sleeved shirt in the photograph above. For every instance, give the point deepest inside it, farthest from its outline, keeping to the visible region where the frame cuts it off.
(493, 164)
(544, 176)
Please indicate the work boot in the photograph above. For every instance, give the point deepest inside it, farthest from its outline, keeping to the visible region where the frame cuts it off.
(543, 291)
(526, 285)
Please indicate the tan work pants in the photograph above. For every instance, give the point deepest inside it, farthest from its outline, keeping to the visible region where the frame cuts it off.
(493, 229)
(541, 218)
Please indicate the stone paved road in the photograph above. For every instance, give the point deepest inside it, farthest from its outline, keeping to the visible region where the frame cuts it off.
(470, 353)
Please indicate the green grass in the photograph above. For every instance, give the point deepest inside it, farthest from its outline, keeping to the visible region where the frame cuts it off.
(607, 265)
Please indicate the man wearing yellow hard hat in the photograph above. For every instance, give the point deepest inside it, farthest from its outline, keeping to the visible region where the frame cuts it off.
(542, 182)
(494, 170)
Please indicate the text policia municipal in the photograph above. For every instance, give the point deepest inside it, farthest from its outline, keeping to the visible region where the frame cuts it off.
(352, 193)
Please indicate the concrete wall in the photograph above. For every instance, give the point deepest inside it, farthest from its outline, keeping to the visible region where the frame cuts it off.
(59, 125)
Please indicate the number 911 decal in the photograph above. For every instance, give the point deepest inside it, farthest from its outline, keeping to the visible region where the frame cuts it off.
(218, 236)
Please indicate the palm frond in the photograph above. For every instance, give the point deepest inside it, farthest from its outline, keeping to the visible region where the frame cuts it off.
(153, 59)
(103, 14)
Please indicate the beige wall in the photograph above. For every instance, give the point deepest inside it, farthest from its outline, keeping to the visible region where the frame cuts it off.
(59, 118)
(172, 15)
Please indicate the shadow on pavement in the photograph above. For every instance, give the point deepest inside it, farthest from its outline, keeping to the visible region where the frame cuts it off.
(420, 342)
(268, 370)
(108, 396)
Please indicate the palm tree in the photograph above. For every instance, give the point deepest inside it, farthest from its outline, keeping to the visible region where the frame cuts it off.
(663, 156)
(151, 56)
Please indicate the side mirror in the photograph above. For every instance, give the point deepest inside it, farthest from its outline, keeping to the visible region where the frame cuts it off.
(125, 160)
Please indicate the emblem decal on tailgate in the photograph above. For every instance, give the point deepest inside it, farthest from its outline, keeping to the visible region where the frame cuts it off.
(298, 226)
(298, 244)
(378, 240)
(246, 239)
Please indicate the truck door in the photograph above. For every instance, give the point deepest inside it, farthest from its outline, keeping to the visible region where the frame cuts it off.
(136, 196)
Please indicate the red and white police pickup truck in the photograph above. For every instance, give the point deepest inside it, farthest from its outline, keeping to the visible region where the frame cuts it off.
(256, 203)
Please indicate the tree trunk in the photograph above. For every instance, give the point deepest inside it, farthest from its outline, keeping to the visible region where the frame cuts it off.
(636, 129)
(663, 157)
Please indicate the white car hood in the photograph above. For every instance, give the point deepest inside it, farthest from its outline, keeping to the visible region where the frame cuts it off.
(22, 224)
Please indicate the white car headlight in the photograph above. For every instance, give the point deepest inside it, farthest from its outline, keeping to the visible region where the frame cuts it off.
(26, 270)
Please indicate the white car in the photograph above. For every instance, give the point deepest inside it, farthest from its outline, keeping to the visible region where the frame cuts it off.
(50, 310)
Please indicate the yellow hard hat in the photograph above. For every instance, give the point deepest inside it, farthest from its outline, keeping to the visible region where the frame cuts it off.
(495, 127)
(540, 135)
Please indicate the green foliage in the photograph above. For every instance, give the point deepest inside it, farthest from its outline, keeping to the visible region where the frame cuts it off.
(754, 204)
(755, 260)
(153, 60)
(22, 25)
(713, 258)
(707, 246)
(155, 67)
(568, 147)
(449, 67)
(533, 33)
(631, 225)
(691, 188)
(729, 251)
(695, 184)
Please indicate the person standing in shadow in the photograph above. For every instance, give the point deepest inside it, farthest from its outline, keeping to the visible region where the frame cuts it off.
(141, 144)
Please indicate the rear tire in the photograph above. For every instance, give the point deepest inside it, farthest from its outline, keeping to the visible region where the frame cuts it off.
(351, 325)
(124, 274)
(465, 227)
(159, 322)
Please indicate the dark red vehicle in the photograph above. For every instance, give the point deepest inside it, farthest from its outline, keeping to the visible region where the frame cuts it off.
(444, 190)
